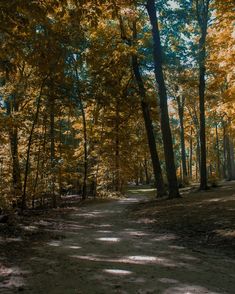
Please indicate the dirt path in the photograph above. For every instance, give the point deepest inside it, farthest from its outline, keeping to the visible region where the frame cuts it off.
(104, 251)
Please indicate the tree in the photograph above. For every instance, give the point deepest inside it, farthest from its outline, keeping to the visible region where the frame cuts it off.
(165, 125)
(202, 9)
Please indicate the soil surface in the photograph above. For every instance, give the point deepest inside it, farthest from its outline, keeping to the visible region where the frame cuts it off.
(102, 248)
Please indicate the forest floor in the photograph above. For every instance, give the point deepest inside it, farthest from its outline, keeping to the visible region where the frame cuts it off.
(131, 245)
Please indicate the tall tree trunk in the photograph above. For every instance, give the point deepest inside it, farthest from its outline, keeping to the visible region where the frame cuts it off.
(165, 124)
(117, 147)
(52, 148)
(224, 152)
(85, 139)
(23, 202)
(181, 103)
(157, 170)
(202, 16)
(198, 157)
(218, 151)
(191, 154)
(84, 186)
(231, 145)
(230, 158)
(12, 106)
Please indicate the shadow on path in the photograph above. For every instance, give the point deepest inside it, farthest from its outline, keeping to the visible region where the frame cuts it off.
(104, 251)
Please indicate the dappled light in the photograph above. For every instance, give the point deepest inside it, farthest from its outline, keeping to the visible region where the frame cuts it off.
(188, 289)
(54, 243)
(117, 147)
(117, 272)
(11, 277)
(109, 239)
(124, 254)
(165, 237)
(133, 260)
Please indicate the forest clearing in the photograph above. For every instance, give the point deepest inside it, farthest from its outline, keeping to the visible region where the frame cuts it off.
(117, 135)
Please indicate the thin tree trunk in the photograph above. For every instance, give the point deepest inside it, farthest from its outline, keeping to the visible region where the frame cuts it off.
(13, 136)
(230, 158)
(181, 103)
(84, 186)
(202, 15)
(231, 147)
(191, 154)
(52, 149)
(117, 148)
(157, 170)
(218, 151)
(85, 143)
(36, 178)
(224, 153)
(23, 201)
(165, 124)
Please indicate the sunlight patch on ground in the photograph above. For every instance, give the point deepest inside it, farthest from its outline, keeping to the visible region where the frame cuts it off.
(146, 221)
(29, 228)
(129, 200)
(73, 247)
(117, 272)
(13, 277)
(176, 247)
(18, 239)
(88, 215)
(144, 260)
(54, 243)
(137, 233)
(224, 199)
(104, 226)
(188, 289)
(164, 238)
(109, 239)
(226, 233)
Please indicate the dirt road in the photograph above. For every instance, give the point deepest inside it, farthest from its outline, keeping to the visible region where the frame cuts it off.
(104, 251)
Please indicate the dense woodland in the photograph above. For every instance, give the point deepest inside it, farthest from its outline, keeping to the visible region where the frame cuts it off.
(98, 94)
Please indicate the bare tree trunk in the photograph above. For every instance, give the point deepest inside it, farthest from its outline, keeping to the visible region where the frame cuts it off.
(85, 139)
(202, 16)
(52, 149)
(23, 202)
(191, 154)
(165, 124)
(181, 103)
(224, 153)
(218, 151)
(230, 158)
(117, 147)
(12, 106)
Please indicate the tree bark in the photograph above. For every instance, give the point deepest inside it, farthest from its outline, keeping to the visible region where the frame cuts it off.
(52, 149)
(12, 106)
(191, 154)
(181, 103)
(202, 16)
(157, 170)
(85, 143)
(117, 147)
(165, 124)
(217, 151)
(23, 201)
